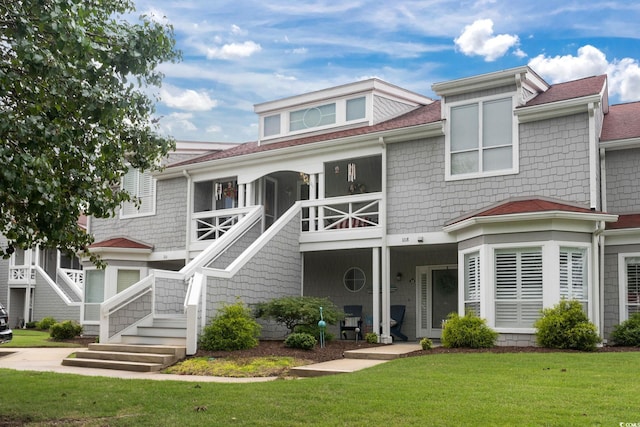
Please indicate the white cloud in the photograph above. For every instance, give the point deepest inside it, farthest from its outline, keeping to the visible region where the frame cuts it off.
(236, 30)
(177, 123)
(214, 129)
(234, 50)
(188, 99)
(478, 39)
(623, 75)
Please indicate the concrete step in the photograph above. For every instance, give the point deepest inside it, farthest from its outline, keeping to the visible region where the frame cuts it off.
(153, 340)
(155, 331)
(170, 322)
(113, 364)
(138, 358)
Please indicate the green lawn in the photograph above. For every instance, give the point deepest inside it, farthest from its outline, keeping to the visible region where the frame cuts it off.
(519, 389)
(33, 338)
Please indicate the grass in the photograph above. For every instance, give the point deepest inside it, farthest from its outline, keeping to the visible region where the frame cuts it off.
(33, 338)
(235, 368)
(524, 389)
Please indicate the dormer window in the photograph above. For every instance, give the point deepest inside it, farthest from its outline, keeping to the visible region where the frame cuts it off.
(481, 139)
(312, 117)
(272, 125)
(356, 108)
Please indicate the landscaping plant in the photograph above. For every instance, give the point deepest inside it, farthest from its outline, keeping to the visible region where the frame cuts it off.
(294, 312)
(233, 328)
(46, 323)
(566, 326)
(371, 338)
(65, 330)
(300, 340)
(468, 331)
(426, 343)
(627, 333)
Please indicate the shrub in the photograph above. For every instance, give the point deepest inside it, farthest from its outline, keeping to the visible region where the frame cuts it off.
(628, 332)
(566, 326)
(31, 325)
(468, 331)
(65, 330)
(46, 323)
(314, 331)
(426, 343)
(371, 338)
(233, 328)
(300, 340)
(293, 312)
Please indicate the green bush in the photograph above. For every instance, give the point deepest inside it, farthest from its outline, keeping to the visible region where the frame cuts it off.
(566, 326)
(46, 323)
(426, 343)
(314, 331)
(233, 328)
(65, 330)
(371, 338)
(31, 325)
(627, 333)
(468, 331)
(293, 312)
(300, 340)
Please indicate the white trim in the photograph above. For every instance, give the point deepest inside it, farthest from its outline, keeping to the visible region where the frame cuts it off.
(620, 144)
(556, 109)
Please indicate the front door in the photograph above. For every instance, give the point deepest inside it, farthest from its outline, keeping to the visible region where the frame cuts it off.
(438, 295)
(270, 201)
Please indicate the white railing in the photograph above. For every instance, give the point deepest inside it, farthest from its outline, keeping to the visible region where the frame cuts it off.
(191, 304)
(211, 225)
(339, 213)
(21, 274)
(75, 276)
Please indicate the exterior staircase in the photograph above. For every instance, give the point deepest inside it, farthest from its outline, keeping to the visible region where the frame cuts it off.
(127, 357)
(147, 349)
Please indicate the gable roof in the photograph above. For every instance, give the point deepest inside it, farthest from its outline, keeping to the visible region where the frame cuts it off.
(570, 90)
(622, 122)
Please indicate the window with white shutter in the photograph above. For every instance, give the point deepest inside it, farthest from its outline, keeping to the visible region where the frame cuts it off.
(632, 282)
(518, 277)
(573, 275)
(142, 187)
(472, 283)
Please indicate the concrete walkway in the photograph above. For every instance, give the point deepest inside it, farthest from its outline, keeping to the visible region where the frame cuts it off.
(50, 360)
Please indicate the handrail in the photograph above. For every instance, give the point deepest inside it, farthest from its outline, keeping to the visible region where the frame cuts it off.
(343, 212)
(55, 287)
(72, 284)
(216, 229)
(118, 300)
(192, 300)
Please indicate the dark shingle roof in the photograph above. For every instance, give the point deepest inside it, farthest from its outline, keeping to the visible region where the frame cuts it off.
(570, 90)
(622, 122)
(120, 242)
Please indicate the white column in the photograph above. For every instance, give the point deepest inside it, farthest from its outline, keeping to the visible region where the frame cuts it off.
(312, 196)
(385, 337)
(241, 195)
(248, 193)
(375, 283)
(321, 196)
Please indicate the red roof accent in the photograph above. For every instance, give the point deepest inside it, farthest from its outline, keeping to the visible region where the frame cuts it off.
(622, 122)
(422, 115)
(625, 221)
(120, 242)
(522, 206)
(570, 90)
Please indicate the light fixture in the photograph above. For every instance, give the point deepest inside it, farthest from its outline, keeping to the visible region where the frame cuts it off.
(399, 276)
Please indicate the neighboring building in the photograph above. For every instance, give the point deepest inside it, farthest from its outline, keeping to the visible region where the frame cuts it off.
(505, 196)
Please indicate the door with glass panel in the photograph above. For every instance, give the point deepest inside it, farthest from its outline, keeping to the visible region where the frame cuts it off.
(438, 296)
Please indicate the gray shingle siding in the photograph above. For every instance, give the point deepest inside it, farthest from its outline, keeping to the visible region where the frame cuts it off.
(554, 162)
(233, 251)
(47, 303)
(273, 272)
(623, 181)
(384, 109)
(166, 230)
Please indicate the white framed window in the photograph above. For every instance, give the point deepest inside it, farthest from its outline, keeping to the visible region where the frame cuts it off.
(319, 116)
(481, 139)
(143, 187)
(472, 282)
(272, 125)
(573, 275)
(518, 287)
(629, 282)
(356, 108)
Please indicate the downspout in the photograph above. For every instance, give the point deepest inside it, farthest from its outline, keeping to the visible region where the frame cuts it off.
(188, 216)
(598, 273)
(593, 158)
(601, 237)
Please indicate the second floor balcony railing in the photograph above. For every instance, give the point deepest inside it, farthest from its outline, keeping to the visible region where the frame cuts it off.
(340, 213)
(211, 225)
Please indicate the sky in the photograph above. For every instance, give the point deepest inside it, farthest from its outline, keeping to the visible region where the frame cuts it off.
(239, 53)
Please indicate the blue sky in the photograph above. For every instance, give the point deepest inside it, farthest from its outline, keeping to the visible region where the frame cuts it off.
(244, 52)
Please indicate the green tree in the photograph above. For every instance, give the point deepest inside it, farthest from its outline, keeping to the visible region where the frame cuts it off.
(299, 311)
(75, 114)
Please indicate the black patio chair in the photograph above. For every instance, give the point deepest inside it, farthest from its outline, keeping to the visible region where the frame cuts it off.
(397, 317)
(352, 321)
